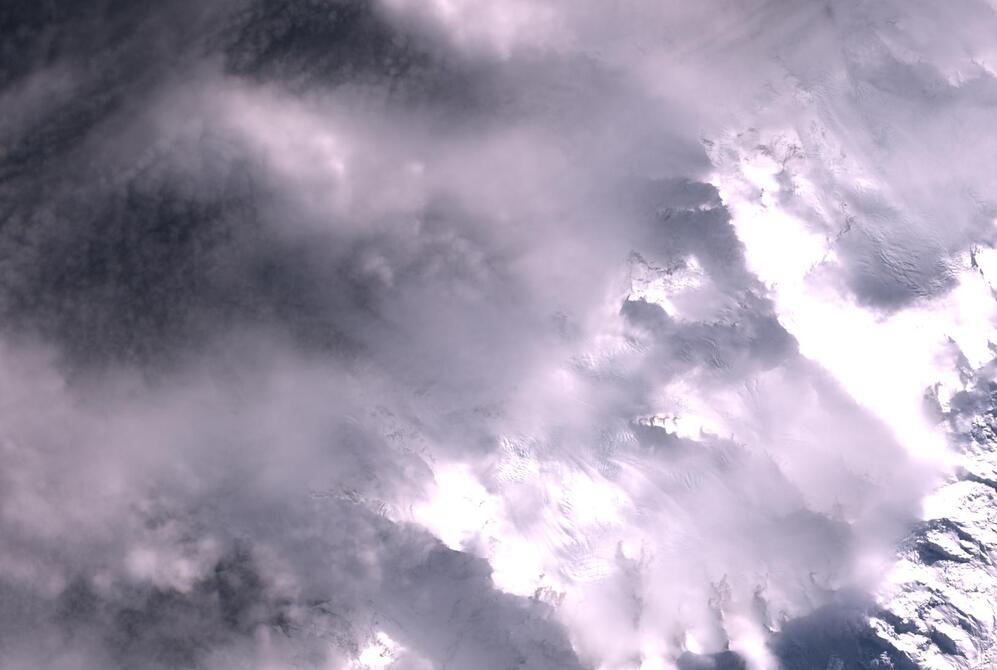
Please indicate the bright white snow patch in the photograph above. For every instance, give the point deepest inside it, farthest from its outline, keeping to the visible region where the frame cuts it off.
(884, 362)
(380, 653)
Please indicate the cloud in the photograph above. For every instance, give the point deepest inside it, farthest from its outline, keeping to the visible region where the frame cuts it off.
(460, 334)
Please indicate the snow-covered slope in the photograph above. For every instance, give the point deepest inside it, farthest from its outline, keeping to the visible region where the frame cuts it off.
(940, 605)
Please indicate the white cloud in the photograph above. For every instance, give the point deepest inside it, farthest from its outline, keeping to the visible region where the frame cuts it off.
(632, 306)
